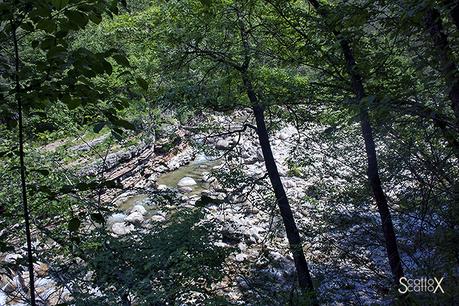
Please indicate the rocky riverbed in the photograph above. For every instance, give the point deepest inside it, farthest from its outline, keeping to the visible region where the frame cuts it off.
(226, 166)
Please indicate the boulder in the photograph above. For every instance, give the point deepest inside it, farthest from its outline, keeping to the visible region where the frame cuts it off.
(116, 218)
(185, 189)
(140, 209)
(260, 156)
(222, 144)
(158, 218)
(186, 182)
(241, 257)
(284, 136)
(161, 187)
(135, 217)
(122, 228)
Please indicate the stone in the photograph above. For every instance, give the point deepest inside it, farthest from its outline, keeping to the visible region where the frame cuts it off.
(289, 184)
(41, 269)
(116, 218)
(206, 176)
(161, 187)
(284, 136)
(122, 228)
(241, 257)
(140, 209)
(135, 217)
(282, 171)
(11, 258)
(158, 218)
(222, 144)
(260, 155)
(185, 189)
(186, 182)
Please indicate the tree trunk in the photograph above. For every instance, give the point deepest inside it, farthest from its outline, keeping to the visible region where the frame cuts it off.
(23, 170)
(372, 167)
(370, 149)
(453, 7)
(434, 25)
(304, 277)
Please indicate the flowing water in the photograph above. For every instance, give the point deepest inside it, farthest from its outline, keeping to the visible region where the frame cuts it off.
(195, 170)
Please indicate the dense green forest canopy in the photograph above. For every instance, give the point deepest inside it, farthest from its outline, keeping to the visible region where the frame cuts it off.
(229, 152)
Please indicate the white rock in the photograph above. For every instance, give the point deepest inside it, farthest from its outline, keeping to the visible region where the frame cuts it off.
(241, 257)
(186, 181)
(284, 136)
(116, 218)
(158, 218)
(161, 187)
(185, 189)
(222, 144)
(260, 155)
(289, 184)
(122, 228)
(135, 217)
(10, 258)
(140, 209)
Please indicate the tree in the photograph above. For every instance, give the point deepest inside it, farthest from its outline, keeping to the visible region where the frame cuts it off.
(224, 36)
(362, 100)
(56, 74)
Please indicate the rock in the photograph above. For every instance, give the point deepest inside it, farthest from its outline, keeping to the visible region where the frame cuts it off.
(122, 228)
(222, 144)
(11, 258)
(41, 269)
(241, 257)
(284, 136)
(162, 187)
(186, 181)
(116, 218)
(140, 209)
(161, 169)
(206, 176)
(282, 171)
(185, 189)
(135, 217)
(158, 218)
(260, 155)
(289, 184)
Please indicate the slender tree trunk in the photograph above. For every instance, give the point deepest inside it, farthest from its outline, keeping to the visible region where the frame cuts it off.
(304, 276)
(373, 169)
(434, 26)
(23, 170)
(453, 7)
(372, 163)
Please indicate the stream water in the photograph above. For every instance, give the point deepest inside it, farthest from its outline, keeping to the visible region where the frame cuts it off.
(200, 165)
(195, 170)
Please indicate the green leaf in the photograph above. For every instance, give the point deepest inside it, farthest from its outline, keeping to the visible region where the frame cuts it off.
(117, 134)
(43, 172)
(97, 217)
(59, 4)
(99, 126)
(77, 17)
(123, 123)
(107, 66)
(121, 60)
(95, 17)
(28, 26)
(74, 224)
(142, 83)
(47, 25)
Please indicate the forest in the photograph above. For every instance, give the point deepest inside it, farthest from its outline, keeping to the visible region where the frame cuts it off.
(229, 152)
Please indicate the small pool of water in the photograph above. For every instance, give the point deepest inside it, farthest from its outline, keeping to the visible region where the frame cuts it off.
(195, 170)
(136, 199)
